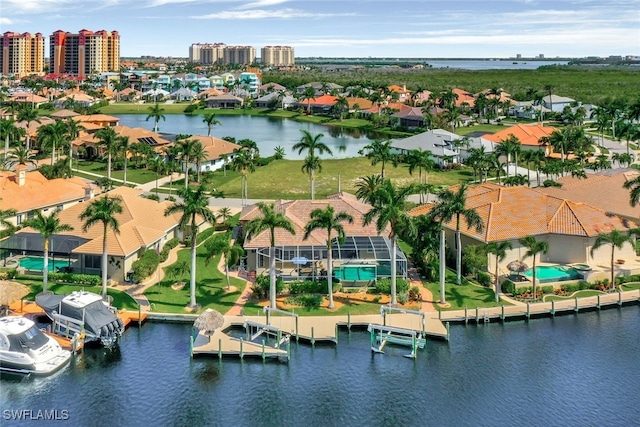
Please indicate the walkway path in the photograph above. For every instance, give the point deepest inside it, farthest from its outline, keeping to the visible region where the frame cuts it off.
(136, 291)
(428, 302)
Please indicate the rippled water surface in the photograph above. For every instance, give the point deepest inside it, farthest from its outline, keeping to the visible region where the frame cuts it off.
(570, 370)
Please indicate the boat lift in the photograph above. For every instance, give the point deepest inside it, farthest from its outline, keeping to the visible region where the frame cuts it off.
(381, 335)
(255, 329)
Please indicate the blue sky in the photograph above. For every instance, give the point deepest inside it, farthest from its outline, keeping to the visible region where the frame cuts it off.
(349, 28)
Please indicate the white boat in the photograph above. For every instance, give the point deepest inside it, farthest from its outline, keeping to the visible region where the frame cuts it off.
(25, 349)
(83, 313)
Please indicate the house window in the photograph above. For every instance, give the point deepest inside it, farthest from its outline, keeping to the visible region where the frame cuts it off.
(19, 219)
(92, 261)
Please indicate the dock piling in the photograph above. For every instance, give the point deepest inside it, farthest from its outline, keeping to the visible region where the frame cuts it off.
(191, 345)
(502, 312)
(448, 332)
(220, 348)
(553, 307)
(336, 333)
(465, 315)
(528, 309)
(313, 339)
(598, 305)
(241, 351)
(263, 353)
(477, 315)
(139, 315)
(576, 308)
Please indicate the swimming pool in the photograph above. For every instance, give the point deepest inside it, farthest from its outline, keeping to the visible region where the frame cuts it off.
(355, 272)
(554, 273)
(37, 263)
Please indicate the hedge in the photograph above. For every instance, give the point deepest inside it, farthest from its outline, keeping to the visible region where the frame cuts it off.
(383, 286)
(145, 265)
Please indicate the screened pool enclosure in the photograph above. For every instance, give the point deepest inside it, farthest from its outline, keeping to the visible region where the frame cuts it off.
(357, 261)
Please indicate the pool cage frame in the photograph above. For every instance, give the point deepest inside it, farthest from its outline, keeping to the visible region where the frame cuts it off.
(354, 250)
(23, 244)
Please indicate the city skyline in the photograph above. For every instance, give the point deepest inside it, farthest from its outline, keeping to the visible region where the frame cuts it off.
(352, 28)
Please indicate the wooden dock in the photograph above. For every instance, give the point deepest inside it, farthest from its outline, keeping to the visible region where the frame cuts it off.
(542, 309)
(312, 329)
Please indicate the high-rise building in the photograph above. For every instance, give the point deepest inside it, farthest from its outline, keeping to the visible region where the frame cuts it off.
(84, 53)
(206, 53)
(279, 56)
(240, 55)
(22, 54)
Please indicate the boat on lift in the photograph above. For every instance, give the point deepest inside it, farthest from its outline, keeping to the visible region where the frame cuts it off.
(25, 349)
(84, 313)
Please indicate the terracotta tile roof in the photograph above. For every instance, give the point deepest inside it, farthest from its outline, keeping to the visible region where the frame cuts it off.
(38, 192)
(397, 88)
(299, 211)
(604, 191)
(28, 97)
(464, 96)
(363, 103)
(516, 212)
(34, 126)
(215, 147)
(321, 100)
(527, 134)
(98, 118)
(141, 223)
(134, 134)
(63, 114)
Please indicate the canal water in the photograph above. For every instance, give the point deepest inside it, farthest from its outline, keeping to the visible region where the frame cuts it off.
(575, 370)
(267, 132)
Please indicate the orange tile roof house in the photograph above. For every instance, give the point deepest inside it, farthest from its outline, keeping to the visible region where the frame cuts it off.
(142, 225)
(511, 213)
(363, 245)
(528, 135)
(215, 148)
(603, 190)
(27, 191)
(90, 142)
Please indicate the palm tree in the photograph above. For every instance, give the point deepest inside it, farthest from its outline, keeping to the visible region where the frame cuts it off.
(187, 146)
(534, 247)
(73, 131)
(279, 153)
(388, 210)
(269, 220)
(311, 144)
(4, 222)
(509, 146)
(210, 120)
(308, 94)
(549, 89)
(156, 164)
(155, 112)
(379, 152)
(47, 226)
(367, 185)
(617, 240)
(109, 139)
(231, 253)
(123, 146)
(52, 136)
(8, 131)
(420, 159)
(21, 155)
(453, 205)
(28, 114)
(634, 186)
(244, 163)
(224, 214)
(499, 249)
(327, 219)
(103, 210)
(194, 203)
(198, 155)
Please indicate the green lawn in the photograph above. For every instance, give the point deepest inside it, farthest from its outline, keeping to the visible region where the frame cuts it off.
(210, 288)
(120, 299)
(353, 307)
(479, 128)
(138, 176)
(284, 178)
(631, 286)
(461, 296)
(578, 294)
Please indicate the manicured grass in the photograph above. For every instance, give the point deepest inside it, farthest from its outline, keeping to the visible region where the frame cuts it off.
(284, 178)
(466, 295)
(631, 286)
(353, 307)
(120, 299)
(130, 108)
(210, 287)
(138, 176)
(479, 128)
(578, 294)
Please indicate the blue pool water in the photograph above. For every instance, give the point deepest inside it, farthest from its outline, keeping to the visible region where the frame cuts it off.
(355, 272)
(554, 273)
(37, 263)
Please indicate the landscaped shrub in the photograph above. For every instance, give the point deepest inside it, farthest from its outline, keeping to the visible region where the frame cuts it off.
(383, 286)
(583, 284)
(171, 243)
(305, 300)
(484, 278)
(153, 197)
(190, 108)
(403, 298)
(508, 287)
(9, 273)
(261, 286)
(570, 287)
(547, 289)
(145, 265)
(307, 287)
(414, 294)
(201, 237)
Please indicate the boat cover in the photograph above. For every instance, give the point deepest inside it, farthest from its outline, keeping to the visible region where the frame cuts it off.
(96, 315)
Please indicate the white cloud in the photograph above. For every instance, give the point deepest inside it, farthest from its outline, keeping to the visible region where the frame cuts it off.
(33, 6)
(269, 14)
(262, 3)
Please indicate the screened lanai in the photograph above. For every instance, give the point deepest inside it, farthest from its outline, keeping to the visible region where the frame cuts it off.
(26, 244)
(358, 259)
